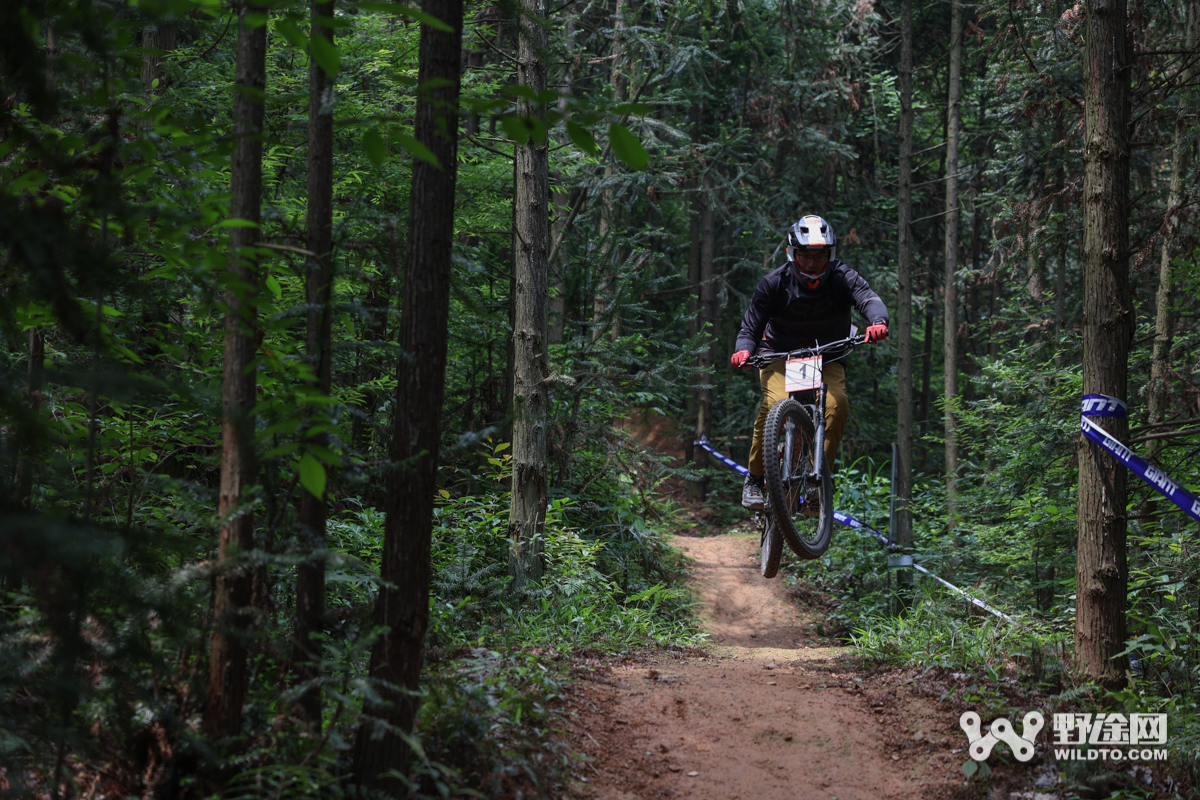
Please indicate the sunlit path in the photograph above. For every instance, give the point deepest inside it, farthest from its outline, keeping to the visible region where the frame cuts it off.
(770, 710)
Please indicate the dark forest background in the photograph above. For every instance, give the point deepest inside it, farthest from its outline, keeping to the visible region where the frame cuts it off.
(300, 496)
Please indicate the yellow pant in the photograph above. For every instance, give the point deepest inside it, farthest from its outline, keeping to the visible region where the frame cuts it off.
(837, 408)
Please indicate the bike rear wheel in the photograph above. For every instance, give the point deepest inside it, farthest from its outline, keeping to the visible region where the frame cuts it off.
(772, 547)
(789, 444)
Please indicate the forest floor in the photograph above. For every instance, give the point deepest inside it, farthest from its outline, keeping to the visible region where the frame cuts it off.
(769, 710)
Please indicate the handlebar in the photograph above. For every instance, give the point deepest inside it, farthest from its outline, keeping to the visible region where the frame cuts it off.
(840, 348)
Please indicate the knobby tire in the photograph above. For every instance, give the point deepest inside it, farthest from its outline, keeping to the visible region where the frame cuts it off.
(772, 547)
(788, 443)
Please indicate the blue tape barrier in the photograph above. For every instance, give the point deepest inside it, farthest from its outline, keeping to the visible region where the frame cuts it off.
(1101, 405)
(724, 459)
(851, 522)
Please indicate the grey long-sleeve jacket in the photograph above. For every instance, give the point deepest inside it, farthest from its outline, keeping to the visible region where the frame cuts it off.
(784, 314)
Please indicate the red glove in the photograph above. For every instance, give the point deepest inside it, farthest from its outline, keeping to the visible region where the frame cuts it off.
(876, 332)
(738, 359)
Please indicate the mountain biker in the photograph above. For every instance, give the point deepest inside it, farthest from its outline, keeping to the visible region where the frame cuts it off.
(805, 302)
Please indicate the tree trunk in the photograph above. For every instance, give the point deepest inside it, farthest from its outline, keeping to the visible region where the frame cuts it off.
(531, 368)
(509, 357)
(1060, 279)
(926, 398)
(562, 200)
(705, 321)
(950, 288)
(606, 285)
(156, 40)
(1060, 276)
(402, 607)
(904, 267)
(310, 575)
(1159, 391)
(710, 310)
(227, 677)
(34, 376)
(927, 366)
(693, 281)
(1101, 571)
(976, 295)
(620, 251)
(476, 61)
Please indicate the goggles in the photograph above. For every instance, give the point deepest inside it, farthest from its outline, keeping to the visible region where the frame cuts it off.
(809, 260)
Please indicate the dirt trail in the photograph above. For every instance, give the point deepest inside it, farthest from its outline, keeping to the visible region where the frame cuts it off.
(769, 710)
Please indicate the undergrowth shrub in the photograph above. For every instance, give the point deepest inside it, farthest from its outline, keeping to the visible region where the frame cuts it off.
(936, 632)
(937, 628)
(583, 599)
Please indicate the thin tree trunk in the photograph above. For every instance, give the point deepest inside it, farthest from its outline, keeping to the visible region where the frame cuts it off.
(706, 300)
(531, 368)
(509, 356)
(995, 298)
(34, 377)
(693, 282)
(1101, 570)
(1060, 280)
(606, 286)
(1060, 277)
(950, 288)
(476, 61)
(556, 325)
(620, 84)
(227, 676)
(976, 296)
(926, 401)
(402, 608)
(310, 574)
(562, 200)
(1159, 392)
(904, 264)
(710, 310)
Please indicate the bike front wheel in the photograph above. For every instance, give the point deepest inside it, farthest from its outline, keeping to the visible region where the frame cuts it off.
(802, 506)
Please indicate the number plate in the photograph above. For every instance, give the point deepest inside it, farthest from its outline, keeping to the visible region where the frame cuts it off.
(803, 374)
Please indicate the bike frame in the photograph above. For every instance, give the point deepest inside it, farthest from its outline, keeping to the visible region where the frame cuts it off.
(815, 411)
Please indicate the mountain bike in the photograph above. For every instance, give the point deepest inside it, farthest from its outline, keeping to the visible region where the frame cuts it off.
(798, 480)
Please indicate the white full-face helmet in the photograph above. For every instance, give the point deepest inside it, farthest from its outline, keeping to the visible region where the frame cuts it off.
(811, 246)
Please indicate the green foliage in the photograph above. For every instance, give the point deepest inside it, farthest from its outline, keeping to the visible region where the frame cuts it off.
(940, 633)
(577, 604)
(114, 220)
(115, 198)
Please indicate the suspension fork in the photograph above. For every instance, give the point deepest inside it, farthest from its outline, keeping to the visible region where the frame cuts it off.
(819, 438)
(789, 442)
